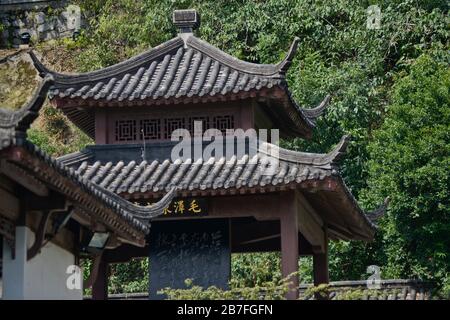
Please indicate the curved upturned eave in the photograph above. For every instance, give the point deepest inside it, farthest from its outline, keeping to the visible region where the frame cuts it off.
(368, 219)
(313, 113)
(266, 70)
(111, 71)
(325, 160)
(29, 112)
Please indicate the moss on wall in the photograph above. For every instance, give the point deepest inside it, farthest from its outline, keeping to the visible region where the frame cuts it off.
(18, 80)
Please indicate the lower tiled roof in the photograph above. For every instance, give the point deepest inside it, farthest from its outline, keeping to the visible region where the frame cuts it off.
(392, 289)
(121, 170)
(236, 172)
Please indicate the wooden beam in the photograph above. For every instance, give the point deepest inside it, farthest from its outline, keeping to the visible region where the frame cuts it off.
(54, 201)
(9, 205)
(260, 239)
(310, 224)
(289, 240)
(262, 207)
(124, 253)
(23, 178)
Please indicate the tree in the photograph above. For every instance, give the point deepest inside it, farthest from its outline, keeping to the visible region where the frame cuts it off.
(410, 163)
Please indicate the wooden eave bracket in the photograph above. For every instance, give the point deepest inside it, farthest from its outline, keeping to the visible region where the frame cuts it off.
(40, 239)
(40, 236)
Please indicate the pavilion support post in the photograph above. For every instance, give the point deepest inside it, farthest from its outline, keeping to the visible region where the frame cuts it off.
(289, 241)
(100, 285)
(320, 267)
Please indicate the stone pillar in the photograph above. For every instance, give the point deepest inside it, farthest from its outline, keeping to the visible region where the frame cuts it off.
(289, 240)
(43, 277)
(14, 270)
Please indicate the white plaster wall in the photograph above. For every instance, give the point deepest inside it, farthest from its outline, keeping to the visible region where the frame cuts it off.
(43, 277)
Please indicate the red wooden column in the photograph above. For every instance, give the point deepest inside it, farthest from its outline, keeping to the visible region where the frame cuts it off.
(289, 240)
(100, 285)
(320, 265)
(101, 127)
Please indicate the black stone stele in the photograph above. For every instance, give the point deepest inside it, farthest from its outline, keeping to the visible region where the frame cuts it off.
(189, 249)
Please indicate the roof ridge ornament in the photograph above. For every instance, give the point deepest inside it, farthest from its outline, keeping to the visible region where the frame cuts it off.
(186, 20)
(379, 212)
(283, 66)
(314, 113)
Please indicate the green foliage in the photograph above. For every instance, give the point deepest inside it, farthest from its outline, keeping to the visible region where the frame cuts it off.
(254, 269)
(321, 291)
(270, 290)
(55, 134)
(445, 289)
(129, 277)
(410, 163)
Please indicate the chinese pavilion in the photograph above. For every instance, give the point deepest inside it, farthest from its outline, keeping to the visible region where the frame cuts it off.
(223, 205)
(50, 215)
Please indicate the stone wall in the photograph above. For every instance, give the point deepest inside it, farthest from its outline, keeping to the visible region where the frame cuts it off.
(44, 20)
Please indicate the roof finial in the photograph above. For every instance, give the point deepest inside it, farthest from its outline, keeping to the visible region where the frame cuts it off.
(186, 20)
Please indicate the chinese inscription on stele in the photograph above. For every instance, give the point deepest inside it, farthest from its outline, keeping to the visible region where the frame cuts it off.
(196, 249)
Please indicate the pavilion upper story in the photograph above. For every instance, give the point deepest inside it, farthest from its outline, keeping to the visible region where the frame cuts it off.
(176, 83)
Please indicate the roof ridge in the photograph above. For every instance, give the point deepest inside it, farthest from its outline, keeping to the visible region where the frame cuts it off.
(74, 158)
(113, 70)
(10, 117)
(287, 61)
(270, 70)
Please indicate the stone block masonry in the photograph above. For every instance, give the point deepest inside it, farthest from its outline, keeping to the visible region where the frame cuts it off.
(43, 20)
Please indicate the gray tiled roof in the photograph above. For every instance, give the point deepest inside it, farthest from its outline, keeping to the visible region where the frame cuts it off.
(13, 126)
(188, 69)
(135, 215)
(174, 69)
(211, 174)
(120, 169)
(393, 289)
